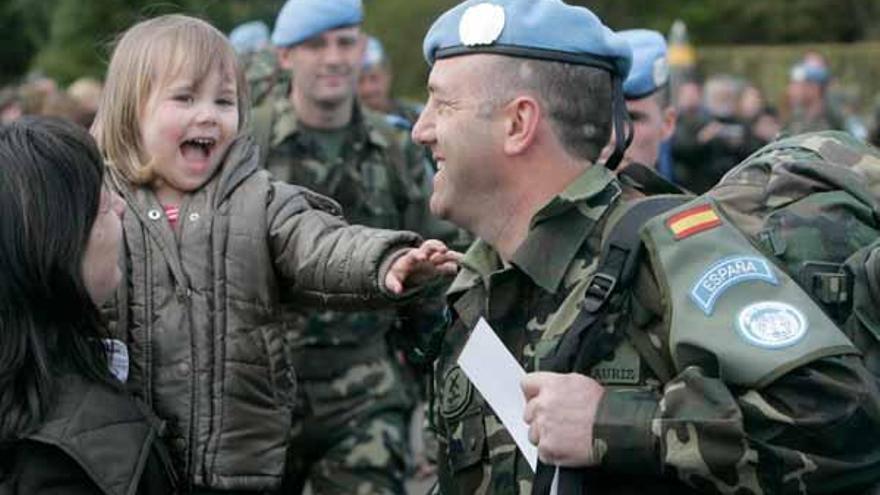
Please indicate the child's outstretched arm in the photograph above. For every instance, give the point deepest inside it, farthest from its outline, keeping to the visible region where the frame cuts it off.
(323, 261)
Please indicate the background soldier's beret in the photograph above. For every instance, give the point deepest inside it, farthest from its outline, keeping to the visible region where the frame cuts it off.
(539, 29)
(249, 37)
(807, 72)
(374, 54)
(300, 20)
(649, 71)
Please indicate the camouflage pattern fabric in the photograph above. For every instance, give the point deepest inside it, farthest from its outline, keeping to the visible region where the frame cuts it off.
(350, 377)
(812, 202)
(263, 75)
(350, 433)
(659, 429)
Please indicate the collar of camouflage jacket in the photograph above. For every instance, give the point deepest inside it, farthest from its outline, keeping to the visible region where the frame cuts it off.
(560, 227)
(287, 124)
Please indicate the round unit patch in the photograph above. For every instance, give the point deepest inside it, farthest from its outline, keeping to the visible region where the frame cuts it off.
(457, 393)
(772, 324)
(481, 24)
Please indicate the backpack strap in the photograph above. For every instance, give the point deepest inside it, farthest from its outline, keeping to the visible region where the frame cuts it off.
(580, 349)
(586, 343)
(647, 181)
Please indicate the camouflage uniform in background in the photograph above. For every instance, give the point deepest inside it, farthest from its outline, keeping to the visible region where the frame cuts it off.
(263, 75)
(660, 428)
(800, 122)
(408, 110)
(351, 429)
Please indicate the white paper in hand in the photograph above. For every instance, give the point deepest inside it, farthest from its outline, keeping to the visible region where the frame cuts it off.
(497, 375)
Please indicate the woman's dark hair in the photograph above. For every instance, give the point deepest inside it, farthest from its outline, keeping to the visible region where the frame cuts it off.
(50, 189)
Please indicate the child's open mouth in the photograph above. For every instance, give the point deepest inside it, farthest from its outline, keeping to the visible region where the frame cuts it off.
(197, 148)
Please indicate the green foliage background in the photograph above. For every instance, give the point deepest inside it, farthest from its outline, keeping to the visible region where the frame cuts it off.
(69, 38)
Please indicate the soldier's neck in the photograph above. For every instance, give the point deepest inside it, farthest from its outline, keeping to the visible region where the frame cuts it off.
(524, 198)
(322, 114)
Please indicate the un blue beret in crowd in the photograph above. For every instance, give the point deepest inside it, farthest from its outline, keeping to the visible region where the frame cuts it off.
(650, 70)
(249, 37)
(300, 20)
(539, 29)
(374, 54)
(810, 73)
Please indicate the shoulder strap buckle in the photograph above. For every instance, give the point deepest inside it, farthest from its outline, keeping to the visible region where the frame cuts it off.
(827, 282)
(601, 287)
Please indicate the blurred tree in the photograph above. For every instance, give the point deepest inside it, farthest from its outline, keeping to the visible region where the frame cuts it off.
(17, 47)
(70, 36)
(81, 32)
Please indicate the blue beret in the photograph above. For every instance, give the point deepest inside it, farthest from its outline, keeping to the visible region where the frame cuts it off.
(807, 72)
(374, 54)
(300, 20)
(650, 70)
(539, 29)
(249, 37)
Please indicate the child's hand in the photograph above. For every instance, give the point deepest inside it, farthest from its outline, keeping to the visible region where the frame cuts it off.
(420, 265)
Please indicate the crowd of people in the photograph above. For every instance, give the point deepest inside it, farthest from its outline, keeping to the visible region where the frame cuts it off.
(239, 265)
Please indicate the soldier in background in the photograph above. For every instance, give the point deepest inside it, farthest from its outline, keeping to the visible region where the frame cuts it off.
(646, 90)
(257, 58)
(808, 102)
(374, 86)
(351, 429)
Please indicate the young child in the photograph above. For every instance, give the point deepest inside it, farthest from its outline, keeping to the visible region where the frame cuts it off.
(216, 252)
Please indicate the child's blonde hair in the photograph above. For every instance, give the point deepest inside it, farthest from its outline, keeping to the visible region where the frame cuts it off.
(149, 54)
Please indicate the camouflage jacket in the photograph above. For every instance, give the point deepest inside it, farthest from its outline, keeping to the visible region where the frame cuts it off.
(659, 429)
(263, 75)
(381, 180)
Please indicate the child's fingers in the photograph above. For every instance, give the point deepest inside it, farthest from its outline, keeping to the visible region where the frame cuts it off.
(393, 284)
(448, 268)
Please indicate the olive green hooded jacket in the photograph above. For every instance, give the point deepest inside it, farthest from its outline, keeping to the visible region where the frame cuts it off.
(201, 310)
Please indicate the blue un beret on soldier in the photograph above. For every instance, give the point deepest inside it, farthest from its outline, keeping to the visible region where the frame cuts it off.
(540, 29)
(374, 54)
(810, 73)
(300, 20)
(650, 70)
(249, 37)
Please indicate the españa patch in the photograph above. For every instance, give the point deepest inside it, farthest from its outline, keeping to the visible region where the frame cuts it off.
(693, 221)
(727, 273)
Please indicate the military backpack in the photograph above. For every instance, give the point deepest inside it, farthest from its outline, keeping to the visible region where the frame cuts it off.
(808, 205)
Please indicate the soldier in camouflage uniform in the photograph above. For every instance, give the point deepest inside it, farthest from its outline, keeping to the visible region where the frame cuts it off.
(808, 99)
(374, 86)
(683, 403)
(351, 431)
(257, 59)
(646, 89)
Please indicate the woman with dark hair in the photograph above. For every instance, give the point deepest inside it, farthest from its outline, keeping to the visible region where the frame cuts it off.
(66, 424)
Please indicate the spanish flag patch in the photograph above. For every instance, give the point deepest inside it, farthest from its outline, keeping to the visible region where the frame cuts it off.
(693, 221)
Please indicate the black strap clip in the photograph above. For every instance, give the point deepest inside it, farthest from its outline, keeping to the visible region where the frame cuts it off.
(600, 289)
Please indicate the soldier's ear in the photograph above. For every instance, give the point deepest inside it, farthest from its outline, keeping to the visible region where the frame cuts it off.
(670, 120)
(285, 57)
(522, 116)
